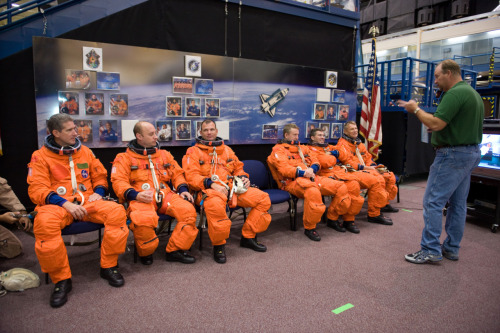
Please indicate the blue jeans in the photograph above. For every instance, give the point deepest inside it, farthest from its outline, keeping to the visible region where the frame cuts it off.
(449, 181)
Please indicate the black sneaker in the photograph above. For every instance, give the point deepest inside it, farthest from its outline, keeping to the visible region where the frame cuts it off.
(389, 209)
(381, 219)
(146, 260)
(312, 234)
(252, 243)
(113, 276)
(220, 254)
(351, 227)
(335, 225)
(180, 256)
(421, 257)
(59, 296)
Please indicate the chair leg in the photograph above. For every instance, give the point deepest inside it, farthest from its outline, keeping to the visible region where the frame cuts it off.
(46, 278)
(135, 253)
(201, 226)
(100, 238)
(292, 203)
(400, 179)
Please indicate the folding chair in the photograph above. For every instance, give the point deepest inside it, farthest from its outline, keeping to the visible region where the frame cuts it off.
(259, 176)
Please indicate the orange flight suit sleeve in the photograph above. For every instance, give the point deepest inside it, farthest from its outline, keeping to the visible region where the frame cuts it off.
(279, 159)
(120, 175)
(238, 165)
(38, 179)
(195, 173)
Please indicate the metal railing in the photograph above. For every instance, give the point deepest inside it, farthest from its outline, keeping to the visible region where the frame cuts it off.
(11, 9)
(14, 13)
(408, 78)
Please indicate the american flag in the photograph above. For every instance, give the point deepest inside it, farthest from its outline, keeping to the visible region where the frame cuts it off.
(371, 116)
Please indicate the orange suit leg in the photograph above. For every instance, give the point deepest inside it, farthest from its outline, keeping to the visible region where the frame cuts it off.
(341, 200)
(258, 219)
(377, 195)
(185, 231)
(357, 200)
(219, 225)
(114, 218)
(313, 202)
(49, 245)
(143, 225)
(390, 186)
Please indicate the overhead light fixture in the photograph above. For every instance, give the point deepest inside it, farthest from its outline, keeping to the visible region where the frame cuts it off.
(457, 40)
(493, 33)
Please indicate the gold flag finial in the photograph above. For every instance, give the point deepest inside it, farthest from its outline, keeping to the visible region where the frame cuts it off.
(374, 31)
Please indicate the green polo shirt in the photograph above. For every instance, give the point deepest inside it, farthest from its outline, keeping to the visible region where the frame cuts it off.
(462, 109)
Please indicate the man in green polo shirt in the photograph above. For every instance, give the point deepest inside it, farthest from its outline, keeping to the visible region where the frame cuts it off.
(457, 128)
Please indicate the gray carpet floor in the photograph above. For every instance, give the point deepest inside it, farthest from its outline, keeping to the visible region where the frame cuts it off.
(293, 287)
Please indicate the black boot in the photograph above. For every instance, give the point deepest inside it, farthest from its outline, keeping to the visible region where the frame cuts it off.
(389, 209)
(335, 225)
(351, 227)
(60, 294)
(312, 234)
(381, 219)
(220, 254)
(147, 260)
(180, 256)
(113, 276)
(252, 243)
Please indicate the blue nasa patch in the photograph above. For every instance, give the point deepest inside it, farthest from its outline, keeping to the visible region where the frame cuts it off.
(85, 174)
(194, 65)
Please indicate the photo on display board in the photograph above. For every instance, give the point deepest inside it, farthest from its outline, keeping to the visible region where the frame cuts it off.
(77, 79)
(212, 107)
(94, 104)
(118, 105)
(338, 96)
(108, 130)
(325, 127)
(343, 112)
(197, 133)
(203, 87)
(84, 129)
(68, 102)
(331, 111)
(336, 131)
(319, 111)
(183, 130)
(107, 81)
(309, 127)
(193, 107)
(182, 85)
(269, 132)
(174, 106)
(164, 130)
(92, 58)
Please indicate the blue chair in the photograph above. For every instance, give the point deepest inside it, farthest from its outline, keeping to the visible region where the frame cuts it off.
(259, 176)
(80, 227)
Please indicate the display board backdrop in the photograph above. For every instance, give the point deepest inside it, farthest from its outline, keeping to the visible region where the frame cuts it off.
(107, 88)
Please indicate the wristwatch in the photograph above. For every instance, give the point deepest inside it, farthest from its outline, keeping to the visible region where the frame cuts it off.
(416, 110)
